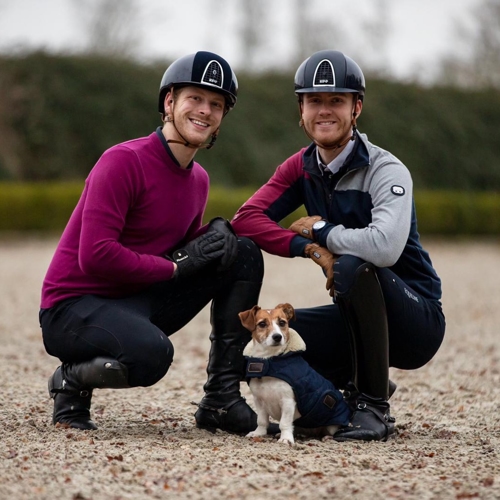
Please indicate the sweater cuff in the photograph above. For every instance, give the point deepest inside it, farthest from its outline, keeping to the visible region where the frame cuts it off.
(298, 245)
(322, 234)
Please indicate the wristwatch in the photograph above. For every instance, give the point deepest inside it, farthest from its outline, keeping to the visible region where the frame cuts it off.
(319, 225)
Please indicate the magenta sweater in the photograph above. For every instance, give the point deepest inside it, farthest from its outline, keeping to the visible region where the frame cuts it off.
(137, 205)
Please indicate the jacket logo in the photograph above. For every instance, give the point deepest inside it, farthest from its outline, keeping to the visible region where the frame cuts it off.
(398, 190)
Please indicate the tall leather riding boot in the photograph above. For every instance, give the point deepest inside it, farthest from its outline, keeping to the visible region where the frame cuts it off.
(223, 407)
(71, 387)
(363, 308)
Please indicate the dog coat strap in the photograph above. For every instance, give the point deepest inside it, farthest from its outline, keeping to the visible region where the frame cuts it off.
(270, 367)
(257, 367)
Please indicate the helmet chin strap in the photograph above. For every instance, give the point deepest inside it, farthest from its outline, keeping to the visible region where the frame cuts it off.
(339, 144)
(185, 142)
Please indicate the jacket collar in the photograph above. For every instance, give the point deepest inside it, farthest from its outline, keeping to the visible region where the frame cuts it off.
(357, 159)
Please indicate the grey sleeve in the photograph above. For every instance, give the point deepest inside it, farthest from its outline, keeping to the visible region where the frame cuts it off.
(383, 241)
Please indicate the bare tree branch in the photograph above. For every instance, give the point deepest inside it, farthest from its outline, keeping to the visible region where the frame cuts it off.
(377, 31)
(478, 65)
(252, 29)
(314, 33)
(111, 27)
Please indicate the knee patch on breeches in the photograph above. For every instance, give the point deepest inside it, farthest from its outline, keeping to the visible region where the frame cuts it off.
(148, 366)
(346, 272)
(249, 265)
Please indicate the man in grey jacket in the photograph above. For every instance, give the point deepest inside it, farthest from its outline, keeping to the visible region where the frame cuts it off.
(361, 228)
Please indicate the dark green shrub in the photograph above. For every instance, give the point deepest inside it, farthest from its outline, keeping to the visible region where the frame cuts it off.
(58, 113)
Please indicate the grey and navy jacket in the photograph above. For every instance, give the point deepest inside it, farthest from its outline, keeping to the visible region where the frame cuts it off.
(319, 402)
(369, 204)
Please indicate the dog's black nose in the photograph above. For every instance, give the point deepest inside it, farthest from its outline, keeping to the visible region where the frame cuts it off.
(277, 337)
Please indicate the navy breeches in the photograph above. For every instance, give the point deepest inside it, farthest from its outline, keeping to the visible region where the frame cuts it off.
(416, 325)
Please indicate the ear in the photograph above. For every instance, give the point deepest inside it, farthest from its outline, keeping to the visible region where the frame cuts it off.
(358, 108)
(288, 310)
(167, 103)
(247, 318)
(301, 112)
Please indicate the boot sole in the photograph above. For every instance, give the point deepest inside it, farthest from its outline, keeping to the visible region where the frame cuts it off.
(272, 430)
(342, 439)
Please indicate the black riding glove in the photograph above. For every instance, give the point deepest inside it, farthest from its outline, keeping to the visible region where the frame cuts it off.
(223, 226)
(198, 253)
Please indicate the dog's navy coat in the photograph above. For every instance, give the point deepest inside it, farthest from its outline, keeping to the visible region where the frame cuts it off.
(319, 402)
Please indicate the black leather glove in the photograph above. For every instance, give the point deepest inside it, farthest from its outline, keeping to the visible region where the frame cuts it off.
(223, 226)
(198, 253)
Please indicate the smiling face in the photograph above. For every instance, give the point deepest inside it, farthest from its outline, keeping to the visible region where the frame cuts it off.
(328, 116)
(197, 113)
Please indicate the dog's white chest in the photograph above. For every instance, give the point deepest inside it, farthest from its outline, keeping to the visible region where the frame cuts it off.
(273, 395)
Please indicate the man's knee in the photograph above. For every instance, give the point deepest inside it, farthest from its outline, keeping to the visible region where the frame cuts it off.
(346, 270)
(249, 265)
(150, 363)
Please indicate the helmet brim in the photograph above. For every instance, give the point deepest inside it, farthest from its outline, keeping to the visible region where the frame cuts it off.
(311, 90)
(230, 98)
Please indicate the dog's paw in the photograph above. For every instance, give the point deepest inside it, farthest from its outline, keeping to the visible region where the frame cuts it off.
(287, 440)
(256, 433)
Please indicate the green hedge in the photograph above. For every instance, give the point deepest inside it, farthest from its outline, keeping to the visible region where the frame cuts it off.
(458, 213)
(47, 207)
(37, 207)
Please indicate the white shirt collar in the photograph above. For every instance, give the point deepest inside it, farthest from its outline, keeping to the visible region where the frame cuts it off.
(335, 165)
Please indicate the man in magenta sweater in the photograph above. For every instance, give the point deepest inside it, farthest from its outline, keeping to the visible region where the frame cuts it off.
(135, 264)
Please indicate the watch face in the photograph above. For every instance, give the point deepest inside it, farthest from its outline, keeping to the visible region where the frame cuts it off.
(319, 225)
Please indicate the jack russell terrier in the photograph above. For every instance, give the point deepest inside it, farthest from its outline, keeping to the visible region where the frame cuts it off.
(282, 383)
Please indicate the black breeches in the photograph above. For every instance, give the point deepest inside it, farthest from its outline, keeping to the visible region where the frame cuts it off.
(135, 329)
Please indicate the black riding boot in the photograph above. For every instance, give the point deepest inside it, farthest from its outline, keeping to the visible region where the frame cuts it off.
(71, 387)
(363, 309)
(351, 394)
(223, 407)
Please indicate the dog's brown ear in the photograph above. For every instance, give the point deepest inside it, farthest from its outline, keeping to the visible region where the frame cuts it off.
(288, 310)
(247, 318)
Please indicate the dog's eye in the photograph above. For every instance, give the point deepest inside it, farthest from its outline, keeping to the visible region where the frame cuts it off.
(282, 322)
(262, 324)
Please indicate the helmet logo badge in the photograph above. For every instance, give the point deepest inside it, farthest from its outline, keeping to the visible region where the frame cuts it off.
(213, 74)
(324, 74)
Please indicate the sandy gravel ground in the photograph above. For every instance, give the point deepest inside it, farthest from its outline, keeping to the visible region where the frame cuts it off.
(147, 445)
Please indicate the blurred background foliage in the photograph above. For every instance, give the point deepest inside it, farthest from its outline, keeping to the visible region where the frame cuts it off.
(58, 113)
(46, 207)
